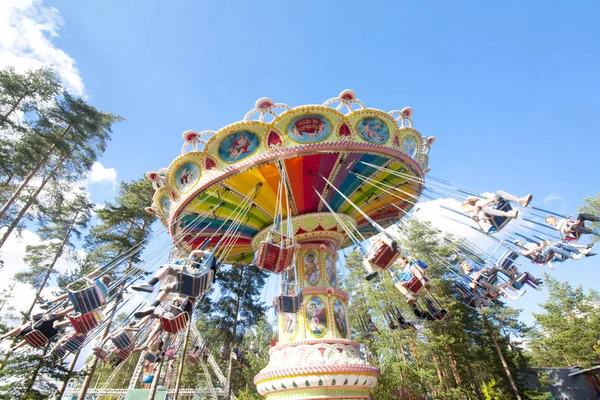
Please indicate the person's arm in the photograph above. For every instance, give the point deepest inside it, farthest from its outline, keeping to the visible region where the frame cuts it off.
(93, 273)
(531, 251)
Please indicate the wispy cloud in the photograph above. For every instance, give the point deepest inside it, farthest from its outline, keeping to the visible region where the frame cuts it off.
(26, 32)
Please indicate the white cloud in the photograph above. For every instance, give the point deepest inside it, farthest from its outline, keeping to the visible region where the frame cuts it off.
(26, 30)
(12, 254)
(99, 174)
(551, 198)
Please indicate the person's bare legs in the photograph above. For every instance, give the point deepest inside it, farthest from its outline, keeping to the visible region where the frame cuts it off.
(14, 332)
(401, 286)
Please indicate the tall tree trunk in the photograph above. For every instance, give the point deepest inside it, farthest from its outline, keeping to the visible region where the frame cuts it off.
(65, 383)
(36, 371)
(30, 202)
(475, 383)
(235, 312)
(182, 361)
(92, 370)
(454, 368)
(509, 376)
(12, 109)
(32, 173)
(44, 281)
(439, 372)
(414, 350)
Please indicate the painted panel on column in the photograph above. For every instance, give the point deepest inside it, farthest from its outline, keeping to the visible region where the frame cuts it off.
(312, 272)
(339, 315)
(316, 316)
(330, 270)
(290, 326)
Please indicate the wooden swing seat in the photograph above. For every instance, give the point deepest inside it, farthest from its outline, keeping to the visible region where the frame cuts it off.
(288, 304)
(74, 343)
(415, 285)
(124, 353)
(151, 357)
(276, 258)
(59, 352)
(175, 324)
(384, 255)
(497, 222)
(86, 322)
(194, 285)
(122, 341)
(88, 299)
(101, 354)
(36, 339)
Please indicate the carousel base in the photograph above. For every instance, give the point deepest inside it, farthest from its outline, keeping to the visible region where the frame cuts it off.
(317, 369)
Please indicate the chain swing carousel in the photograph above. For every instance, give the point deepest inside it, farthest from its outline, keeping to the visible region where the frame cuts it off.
(293, 172)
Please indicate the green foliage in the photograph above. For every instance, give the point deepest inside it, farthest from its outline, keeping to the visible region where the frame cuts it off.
(592, 206)
(567, 330)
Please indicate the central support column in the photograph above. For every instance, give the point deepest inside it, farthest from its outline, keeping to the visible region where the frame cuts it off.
(315, 358)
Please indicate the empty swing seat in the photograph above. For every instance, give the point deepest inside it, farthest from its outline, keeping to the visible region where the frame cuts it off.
(384, 255)
(124, 353)
(74, 343)
(415, 285)
(59, 352)
(101, 354)
(90, 298)
(274, 257)
(497, 222)
(86, 322)
(288, 304)
(194, 285)
(175, 324)
(121, 341)
(36, 339)
(508, 259)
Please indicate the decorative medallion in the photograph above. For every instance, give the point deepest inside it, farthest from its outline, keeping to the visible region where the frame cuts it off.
(309, 128)
(187, 175)
(330, 270)
(312, 272)
(238, 146)
(316, 316)
(339, 315)
(373, 130)
(274, 140)
(345, 132)
(396, 141)
(209, 163)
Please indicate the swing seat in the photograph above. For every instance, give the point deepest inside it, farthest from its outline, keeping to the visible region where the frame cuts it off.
(508, 259)
(88, 299)
(175, 324)
(59, 352)
(383, 255)
(497, 222)
(74, 343)
(393, 326)
(36, 339)
(194, 285)
(439, 315)
(100, 353)
(122, 341)
(289, 304)
(124, 353)
(86, 322)
(150, 357)
(574, 236)
(276, 258)
(415, 285)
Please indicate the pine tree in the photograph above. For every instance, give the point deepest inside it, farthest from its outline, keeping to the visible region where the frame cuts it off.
(568, 329)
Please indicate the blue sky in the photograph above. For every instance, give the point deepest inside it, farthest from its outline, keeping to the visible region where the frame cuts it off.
(510, 90)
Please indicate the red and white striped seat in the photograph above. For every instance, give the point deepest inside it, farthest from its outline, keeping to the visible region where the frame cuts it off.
(35, 339)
